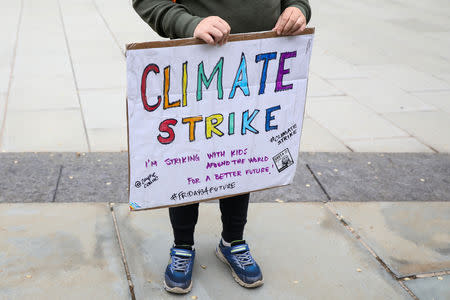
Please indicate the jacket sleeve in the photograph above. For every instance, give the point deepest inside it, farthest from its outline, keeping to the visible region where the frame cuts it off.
(303, 5)
(167, 18)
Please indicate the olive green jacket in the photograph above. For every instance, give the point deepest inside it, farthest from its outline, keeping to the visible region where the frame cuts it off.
(179, 20)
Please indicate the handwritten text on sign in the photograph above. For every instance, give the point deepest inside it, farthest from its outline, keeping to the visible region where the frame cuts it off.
(206, 122)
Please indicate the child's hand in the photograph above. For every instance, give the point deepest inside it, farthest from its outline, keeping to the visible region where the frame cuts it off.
(213, 30)
(291, 22)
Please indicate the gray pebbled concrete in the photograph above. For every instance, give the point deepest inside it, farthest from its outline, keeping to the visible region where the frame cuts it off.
(103, 177)
(28, 177)
(94, 177)
(59, 251)
(303, 188)
(314, 258)
(410, 237)
(433, 288)
(382, 177)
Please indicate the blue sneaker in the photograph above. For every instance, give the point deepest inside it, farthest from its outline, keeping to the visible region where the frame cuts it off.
(178, 276)
(243, 267)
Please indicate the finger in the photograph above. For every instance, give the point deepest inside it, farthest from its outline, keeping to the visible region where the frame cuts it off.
(222, 29)
(284, 18)
(222, 41)
(216, 34)
(297, 32)
(303, 27)
(297, 25)
(287, 28)
(227, 31)
(206, 37)
(227, 26)
(300, 30)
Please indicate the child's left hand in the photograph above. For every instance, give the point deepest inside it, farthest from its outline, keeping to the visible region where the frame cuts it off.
(291, 22)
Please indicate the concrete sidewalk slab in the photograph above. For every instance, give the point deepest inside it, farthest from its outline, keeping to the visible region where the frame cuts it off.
(390, 145)
(380, 96)
(436, 288)
(28, 177)
(98, 62)
(49, 131)
(331, 67)
(108, 139)
(9, 18)
(2, 106)
(349, 120)
(60, 251)
(406, 77)
(423, 129)
(437, 99)
(314, 251)
(120, 17)
(318, 87)
(382, 177)
(316, 138)
(410, 237)
(104, 108)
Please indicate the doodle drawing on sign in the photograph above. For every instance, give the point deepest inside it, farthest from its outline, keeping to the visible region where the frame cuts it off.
(283, 160)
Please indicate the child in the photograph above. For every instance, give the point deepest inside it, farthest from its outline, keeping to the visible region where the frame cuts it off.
(212, 21)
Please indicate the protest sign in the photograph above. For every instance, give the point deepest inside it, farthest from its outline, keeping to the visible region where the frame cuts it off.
(207, 122)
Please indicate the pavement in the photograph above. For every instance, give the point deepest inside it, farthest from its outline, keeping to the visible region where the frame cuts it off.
(343, 250)
(367, 216)
(385, 67)
(363, 225)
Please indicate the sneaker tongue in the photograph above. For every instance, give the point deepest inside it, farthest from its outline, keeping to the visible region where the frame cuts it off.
(185, 247)
(237, 242)
(238, 247)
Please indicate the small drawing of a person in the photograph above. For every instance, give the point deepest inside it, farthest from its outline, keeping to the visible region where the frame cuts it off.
(285, 161)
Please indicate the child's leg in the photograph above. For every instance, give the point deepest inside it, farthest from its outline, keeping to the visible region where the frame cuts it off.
(234, 217)
(184, 219)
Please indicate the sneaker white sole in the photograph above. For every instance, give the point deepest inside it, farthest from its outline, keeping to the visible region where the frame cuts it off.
(177, 290)
(255, 284)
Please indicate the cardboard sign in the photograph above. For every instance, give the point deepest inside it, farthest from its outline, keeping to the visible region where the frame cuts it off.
(208, 122)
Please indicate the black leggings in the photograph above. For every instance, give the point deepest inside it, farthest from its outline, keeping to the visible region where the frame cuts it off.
(234, 217)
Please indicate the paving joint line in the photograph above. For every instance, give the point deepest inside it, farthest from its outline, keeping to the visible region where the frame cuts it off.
(13, 64)
(319, 183)
(122, 252)
(424, 275)
(109, 28)
(371, 251)
(57, 183)
(429, 91)
(348, 147)
(73, 74)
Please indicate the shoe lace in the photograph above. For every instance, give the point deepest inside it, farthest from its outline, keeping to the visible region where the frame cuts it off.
(180, 264)
(244, 258)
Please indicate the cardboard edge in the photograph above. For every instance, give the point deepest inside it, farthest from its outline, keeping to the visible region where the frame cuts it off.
(128, 145)
(304, 107)
(195, 41)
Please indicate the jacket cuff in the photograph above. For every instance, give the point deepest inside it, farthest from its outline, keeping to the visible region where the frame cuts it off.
(186, 24)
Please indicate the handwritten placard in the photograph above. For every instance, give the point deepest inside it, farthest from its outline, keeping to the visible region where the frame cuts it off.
(206, 122)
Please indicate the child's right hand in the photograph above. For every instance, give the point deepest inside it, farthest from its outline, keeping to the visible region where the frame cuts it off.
(213, 30)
